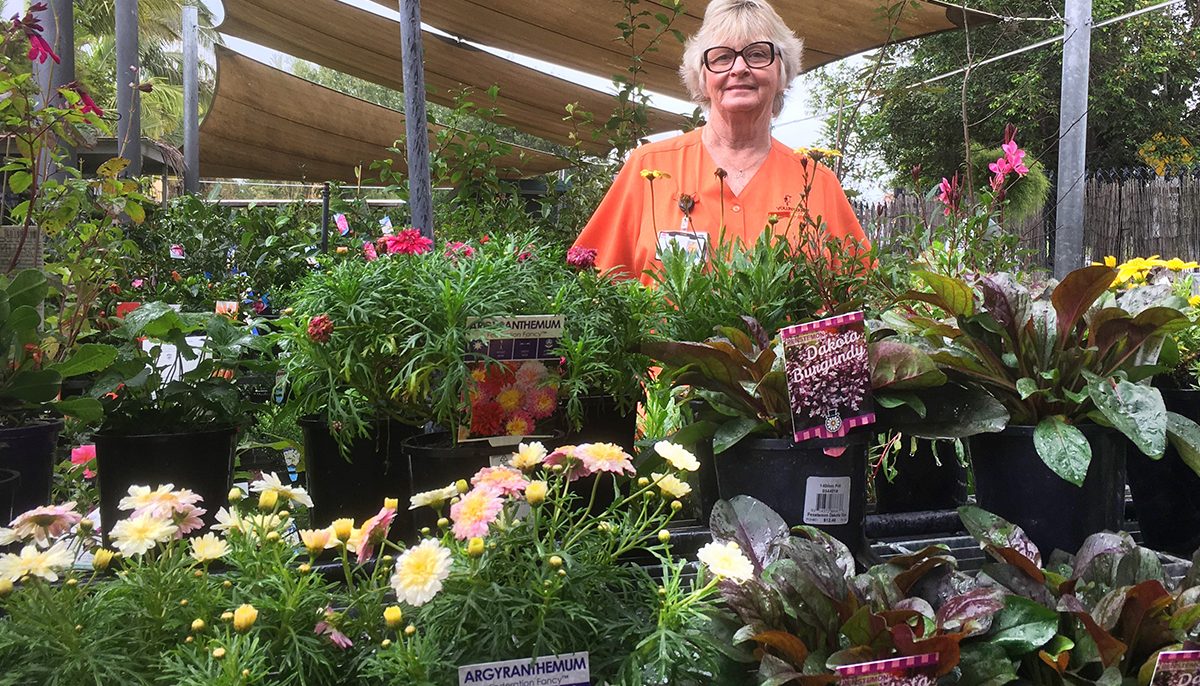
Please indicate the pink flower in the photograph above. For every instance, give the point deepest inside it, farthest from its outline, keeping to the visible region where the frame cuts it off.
(500, 480)
(520, 424)
(44, 523)
(566, 456)
(525, 254)
(187, 518)
(531, 373)
(371, 532)
(581, 258)
(326, 628)
(137, 283)
(369, 251)
(605, 457)
(542, 402)
(40, 50)
(474, 513)
(1015, 157)
(162, 502)
(83, 454)
(407, 242)
(950, 193)
(320, 328)
(456, 249)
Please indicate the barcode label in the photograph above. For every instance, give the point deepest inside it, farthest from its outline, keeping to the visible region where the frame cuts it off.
(827, 500)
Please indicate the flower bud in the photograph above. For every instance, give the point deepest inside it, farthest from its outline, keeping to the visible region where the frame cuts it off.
(227, 584)
(86, 526)
(244, 618)
(343, 529)
(189, 639)
(555, 561)
(393, 616)
(72, 582)
(283, 514)
(101, 559)
(442, 522)
(273, 536)
(198, 625)
(425, 531)
(664, 536)
(535, 492)
(267, 500)
(199, 573)
(475, 547)
(462, 486)
(304, 568)
(676, 506)
(385, 643)
(643, 481)
(246, 673)
(410, 630)
(218, 653)
(226, 616)
(236, 495)
(6, 587)
(183, 603)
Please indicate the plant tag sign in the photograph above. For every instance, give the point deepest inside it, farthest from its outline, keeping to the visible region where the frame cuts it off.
(828, 376)
(1177, 668)
(901, 671)
(827, 501)
(553, 670)
(176, 252)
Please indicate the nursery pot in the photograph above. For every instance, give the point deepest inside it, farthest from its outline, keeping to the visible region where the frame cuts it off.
(921, 483)
(1166, 492)
(201, 461)
(29, 451)
(355, 484)
(10, 483)
(1012, 481)
(802, 482)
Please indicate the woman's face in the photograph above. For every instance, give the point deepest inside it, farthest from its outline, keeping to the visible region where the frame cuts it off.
(743, 89)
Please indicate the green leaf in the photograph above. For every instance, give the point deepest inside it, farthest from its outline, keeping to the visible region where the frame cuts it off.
(951, 412)
(954, 295)
(1023, 626)
(90, 357)
(901, 367)
(84, 409)
(985, 664)
(1026, 387)
(20, 182)
(23, 321)
(1063, 448)
(34, 386)
(1184, 434)
(733, 431)
(135, 211)
(29, 287)
(1135, 410)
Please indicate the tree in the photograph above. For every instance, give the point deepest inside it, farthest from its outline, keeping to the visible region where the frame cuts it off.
(1145, 80)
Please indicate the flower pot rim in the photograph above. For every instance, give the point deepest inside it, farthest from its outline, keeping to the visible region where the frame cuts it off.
(208, 431)
(36, 426)
(434, 440)
(1087, 428)
(770, 443)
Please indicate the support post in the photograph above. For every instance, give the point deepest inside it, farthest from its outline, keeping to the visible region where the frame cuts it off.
(191, 99)
(58, 22)
(1072, 138)
(325, 218)
(129, 100)
(420, 188)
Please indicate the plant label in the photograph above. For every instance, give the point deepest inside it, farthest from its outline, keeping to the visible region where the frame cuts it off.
(176, 252)
(1177, 668)
(694, 245)
(901, 671)
(827, 501)
(828, 376)
(553, 670)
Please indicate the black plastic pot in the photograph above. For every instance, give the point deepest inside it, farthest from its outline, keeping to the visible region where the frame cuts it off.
(801, 482)
(1012, 481)
(604, 421)
(1166, 492)
(29, 451)
(201, 461)
(921, 484)
(435, 462)
(356, 483)
(10, 483)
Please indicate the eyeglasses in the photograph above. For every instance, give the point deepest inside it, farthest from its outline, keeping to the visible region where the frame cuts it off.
(720, 59)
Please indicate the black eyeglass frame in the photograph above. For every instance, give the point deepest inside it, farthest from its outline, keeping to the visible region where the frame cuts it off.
(740, 53)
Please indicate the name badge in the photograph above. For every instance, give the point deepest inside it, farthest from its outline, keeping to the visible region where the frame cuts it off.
(694, 245)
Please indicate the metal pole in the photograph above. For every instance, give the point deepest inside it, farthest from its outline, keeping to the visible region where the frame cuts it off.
(420, 188)
(58, 21)
(1072, 138)
(191, 99)
(325, 218)
(129, 101)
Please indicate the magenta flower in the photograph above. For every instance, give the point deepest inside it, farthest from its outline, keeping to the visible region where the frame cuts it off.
(40, 50)
(456, 249)
(581, 258)
(474, 513)
(326, 628)
(407, 242)
(187, 518)
(950, 193)
(320, 328)
(1015, 157)
(84, 455)
(137, 283)
(369, 251)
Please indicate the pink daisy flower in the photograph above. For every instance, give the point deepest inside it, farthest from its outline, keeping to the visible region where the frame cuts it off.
(605, 457)
(187, 518)
(566, 456)
(500, 480)
(45, 523)
(474, 513)
(370, 533)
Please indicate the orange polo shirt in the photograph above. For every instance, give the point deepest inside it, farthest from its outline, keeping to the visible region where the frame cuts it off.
(627, 227)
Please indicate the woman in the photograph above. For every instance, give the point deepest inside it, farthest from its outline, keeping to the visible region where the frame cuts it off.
(729, 174)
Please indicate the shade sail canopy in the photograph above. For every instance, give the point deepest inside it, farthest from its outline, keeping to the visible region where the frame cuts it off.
(362, 44)
(582, 33)
(267, 124)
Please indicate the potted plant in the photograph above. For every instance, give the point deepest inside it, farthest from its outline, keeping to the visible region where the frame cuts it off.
(1066, 364)
(30, 383)
(171, 408)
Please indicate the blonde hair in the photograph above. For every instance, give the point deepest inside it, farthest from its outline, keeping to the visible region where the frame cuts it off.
(729, 22)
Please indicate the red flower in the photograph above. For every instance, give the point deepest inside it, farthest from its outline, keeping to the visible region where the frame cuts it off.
(35, 353)
(581, 258)
(320, 328)
(114, 289)
(455, 249)
(86, 105)
(520, 424)
(525, 254)
(407, 242)
(486, 419)
(484, 239)
(40, 50)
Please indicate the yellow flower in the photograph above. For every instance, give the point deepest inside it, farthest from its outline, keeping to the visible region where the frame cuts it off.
(1109, 261)
(535, 492)
(268, 500)
(671, 485)
(101, 559)
(208, 547)
(1194, 301)
(677, 456)
(244, 618)
(33, 562)
(727, 560)
(393, 616)
(391, 504)
(475, 547)
(1177, 265)
(316, 540)
(528, 456)
(420, 571)
(343, 528)
(652, 174)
